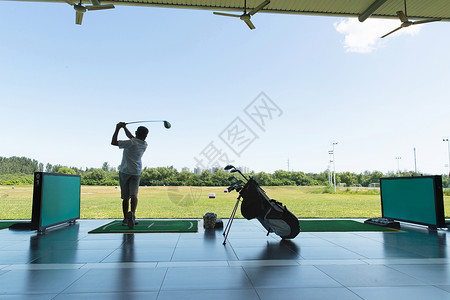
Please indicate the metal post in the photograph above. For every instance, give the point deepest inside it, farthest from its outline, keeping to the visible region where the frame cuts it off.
(415, 161)
(330, 176)
(329, 173)
(398, 165)
(334, 167)
(448, 144)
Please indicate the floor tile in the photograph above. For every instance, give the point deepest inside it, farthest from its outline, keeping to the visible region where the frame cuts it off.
(43, 266)
(109, 296)
(368, 275)
(401, 293)
(437, 274)
(311, 242)
(118, 280)
(139, 255)
(38, 281)
(262, 263)
(307, 293)
(209, 278)
(204, 253)
(17, 256)
(241, 294)
(120, 265)
(289, 276)
(329, 253)
(444, 287)
(266, 253)
(71, 256)
(28, 297)
(187, 264)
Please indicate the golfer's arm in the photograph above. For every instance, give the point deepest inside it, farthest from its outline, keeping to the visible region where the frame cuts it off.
(128, 133)
(114, 141)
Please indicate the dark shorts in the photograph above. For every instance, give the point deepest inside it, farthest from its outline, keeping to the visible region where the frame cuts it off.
(129, 185)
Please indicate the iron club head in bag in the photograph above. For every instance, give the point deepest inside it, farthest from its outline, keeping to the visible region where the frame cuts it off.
(233, 169)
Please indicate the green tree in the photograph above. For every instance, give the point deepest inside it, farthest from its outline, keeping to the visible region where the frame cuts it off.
(301, 178)
(17, 164)
(263, 178)
(206, 178)
(220, 178)
(48, 168)
(105, 166)
(66, 170)
(348, 178)
(94, 178)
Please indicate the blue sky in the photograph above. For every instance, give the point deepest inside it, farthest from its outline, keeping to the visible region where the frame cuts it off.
(63, 87)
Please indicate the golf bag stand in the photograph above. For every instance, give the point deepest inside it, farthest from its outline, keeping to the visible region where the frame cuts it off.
(230, 220)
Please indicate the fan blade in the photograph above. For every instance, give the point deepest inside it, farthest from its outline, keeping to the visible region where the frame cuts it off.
(226, 15)
(402, 16)
(259, 7)
(249, 23)
(426, 21)
(78, 17)
(99, 7)
(392, 32)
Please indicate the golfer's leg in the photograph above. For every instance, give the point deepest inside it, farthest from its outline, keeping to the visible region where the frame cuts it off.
(134, 202)
(124, 192)
(125, 207)
(134, 189)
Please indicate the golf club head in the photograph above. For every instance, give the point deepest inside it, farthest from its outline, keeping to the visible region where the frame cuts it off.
(228, 167)
(167, 124)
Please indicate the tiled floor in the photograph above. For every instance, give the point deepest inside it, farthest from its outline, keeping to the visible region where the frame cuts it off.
(69, 263)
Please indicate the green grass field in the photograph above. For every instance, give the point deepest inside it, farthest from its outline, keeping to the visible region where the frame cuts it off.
(103, 202)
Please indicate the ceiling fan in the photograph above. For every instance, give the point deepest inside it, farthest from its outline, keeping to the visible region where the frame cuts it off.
(80, 9)
(246, 15)
(406, 22)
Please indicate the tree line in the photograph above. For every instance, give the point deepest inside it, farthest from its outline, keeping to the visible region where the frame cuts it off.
(20, 170)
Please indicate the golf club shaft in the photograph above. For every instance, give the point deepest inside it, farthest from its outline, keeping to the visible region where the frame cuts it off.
(144, 121)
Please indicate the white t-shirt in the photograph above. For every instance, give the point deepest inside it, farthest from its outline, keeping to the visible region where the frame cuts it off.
(133, 150)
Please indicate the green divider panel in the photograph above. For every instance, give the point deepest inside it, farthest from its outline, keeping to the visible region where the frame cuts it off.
(413, 199)
(56, 199)
(60, 199)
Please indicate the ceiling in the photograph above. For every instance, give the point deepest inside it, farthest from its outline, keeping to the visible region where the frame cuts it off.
(416, 9)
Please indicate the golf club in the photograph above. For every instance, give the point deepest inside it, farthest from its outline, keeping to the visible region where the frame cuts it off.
(234, 170)
(166, 123)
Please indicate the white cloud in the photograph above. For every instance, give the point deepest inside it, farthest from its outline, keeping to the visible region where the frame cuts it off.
(364, 37)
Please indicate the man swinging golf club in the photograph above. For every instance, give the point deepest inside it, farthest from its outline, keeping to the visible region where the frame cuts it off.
(130, 169)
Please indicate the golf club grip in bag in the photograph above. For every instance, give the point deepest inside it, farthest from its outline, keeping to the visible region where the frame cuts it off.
(270, 213)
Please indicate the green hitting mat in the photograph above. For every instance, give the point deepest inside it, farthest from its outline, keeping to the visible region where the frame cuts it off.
(339, 226)
(149, 226)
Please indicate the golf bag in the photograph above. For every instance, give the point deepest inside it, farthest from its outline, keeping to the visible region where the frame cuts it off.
(272, 215)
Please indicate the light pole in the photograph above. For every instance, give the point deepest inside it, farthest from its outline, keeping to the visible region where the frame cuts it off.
(398, 165)
(448, 144)
(415, 162)
(330, 181)
(330, 160)
(334, 167)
